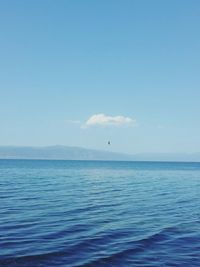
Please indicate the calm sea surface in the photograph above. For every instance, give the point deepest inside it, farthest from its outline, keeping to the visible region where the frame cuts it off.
(76, 213)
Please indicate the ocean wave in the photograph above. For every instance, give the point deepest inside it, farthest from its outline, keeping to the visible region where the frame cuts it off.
(95, 217)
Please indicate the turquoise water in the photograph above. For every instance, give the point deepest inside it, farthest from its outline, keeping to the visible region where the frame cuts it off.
(76, 213)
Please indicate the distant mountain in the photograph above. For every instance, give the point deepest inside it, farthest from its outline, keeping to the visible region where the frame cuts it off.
(58, 152)
(77, 153)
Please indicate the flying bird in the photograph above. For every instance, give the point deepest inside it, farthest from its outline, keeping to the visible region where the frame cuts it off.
(109, 143)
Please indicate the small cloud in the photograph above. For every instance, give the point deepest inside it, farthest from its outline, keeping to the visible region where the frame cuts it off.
(105, 120)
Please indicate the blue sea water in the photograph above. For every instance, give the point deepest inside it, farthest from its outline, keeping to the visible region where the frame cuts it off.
(90, 213)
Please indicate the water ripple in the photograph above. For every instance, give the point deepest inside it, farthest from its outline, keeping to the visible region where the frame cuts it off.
(64, 213)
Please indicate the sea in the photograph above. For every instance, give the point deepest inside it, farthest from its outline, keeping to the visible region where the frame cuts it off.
(98, 213)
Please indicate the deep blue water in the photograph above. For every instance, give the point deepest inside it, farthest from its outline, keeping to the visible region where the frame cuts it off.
(76, 213)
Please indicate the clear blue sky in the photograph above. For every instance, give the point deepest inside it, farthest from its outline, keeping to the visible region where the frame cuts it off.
(68, 60)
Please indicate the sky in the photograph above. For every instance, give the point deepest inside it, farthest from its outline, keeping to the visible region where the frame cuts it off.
(80, 73)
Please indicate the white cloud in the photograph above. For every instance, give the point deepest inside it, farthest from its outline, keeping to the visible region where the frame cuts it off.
(104, 120)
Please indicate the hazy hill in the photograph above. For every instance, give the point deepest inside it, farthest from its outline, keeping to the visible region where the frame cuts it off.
(58, 152)
(77, 153)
